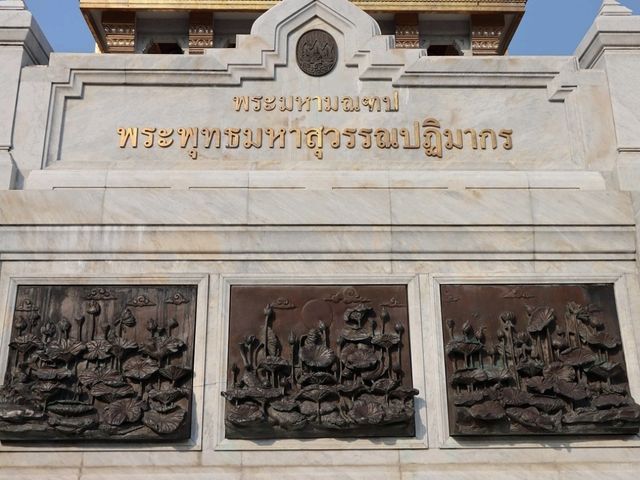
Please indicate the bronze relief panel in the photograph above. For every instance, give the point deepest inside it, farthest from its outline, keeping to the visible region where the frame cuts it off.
(107, 363)
(311, 361)
(535, 360)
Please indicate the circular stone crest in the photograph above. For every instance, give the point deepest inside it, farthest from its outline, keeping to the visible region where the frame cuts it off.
(316, 53)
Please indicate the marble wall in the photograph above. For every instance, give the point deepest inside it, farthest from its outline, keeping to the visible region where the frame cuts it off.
(560, 206)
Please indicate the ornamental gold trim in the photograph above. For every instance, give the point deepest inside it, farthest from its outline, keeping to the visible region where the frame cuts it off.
(261, 5)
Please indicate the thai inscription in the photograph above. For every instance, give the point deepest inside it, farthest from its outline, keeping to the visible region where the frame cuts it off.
(110, 363)
(319, 361)
(535, 360)
(296, 103)
(428, 136)
(316, 53)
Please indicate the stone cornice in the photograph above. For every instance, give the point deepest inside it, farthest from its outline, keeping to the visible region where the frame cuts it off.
(259, 5)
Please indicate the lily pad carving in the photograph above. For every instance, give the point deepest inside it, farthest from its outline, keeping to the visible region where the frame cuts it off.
(164, 423)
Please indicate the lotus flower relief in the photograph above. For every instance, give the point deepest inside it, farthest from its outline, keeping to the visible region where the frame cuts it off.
(93, 308)
(127, 318)
(354, 317)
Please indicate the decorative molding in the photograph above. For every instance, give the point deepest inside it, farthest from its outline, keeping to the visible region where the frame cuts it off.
(407, 30)
(200, 32)
(261, 5)
(120, 31)
(487, 34)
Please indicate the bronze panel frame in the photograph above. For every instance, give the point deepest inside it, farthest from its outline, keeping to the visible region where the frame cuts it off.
(286, 306)
(482, 310)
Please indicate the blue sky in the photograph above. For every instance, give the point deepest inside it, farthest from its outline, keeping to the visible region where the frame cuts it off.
(550, 27)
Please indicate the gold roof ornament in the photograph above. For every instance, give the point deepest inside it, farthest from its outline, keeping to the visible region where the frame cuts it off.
(118, 25)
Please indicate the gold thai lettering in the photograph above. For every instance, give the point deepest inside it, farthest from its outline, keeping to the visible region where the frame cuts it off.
(298, 136)
(269, 104)
(350, 105)
(457, 142)
(484, 134)
(303, 104)
(251, 139)
(276, 134)
(315, 140)
(126, 134)
(286, 104)
(406, 137)
(335, 143)
(233, 137)
(427, 135)
(392, 104)
(365, 133)
(166, 137)
(386, 138)
(372, 103)
(350, 133)
(186, 135)
(473, 134)
(241, 103)
(432, 138)
(148, 132)
(507, 135)
(331, 104)
(322, 103)
(256, 103)
(209, 135)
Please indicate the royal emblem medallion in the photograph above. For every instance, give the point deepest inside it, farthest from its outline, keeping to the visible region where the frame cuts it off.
(316, 53)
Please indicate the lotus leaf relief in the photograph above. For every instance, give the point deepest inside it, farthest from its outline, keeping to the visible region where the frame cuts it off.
(101, 375)
(540, 369)
(347, 383)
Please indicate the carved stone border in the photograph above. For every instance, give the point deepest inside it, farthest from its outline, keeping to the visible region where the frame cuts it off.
(416, 317)
(435, 356)
(9, 286)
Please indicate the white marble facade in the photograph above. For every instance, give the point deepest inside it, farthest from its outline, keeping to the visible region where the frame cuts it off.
(560, 206)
